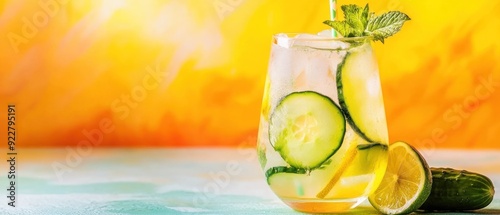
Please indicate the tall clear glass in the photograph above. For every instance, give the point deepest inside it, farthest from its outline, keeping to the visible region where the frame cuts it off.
(323, 138)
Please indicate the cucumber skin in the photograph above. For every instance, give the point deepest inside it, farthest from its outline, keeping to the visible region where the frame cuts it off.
(283, 169)
(457, 190)
(343, 106)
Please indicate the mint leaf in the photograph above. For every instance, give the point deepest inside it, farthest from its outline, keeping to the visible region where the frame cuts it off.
(386, 25)
(361, 22)
(341, 27)
(356, 20)
(356, 17)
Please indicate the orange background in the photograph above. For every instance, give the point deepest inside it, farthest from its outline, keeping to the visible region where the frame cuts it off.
(191, 72)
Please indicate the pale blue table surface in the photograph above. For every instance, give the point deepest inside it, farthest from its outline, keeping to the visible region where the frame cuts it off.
(174, 181)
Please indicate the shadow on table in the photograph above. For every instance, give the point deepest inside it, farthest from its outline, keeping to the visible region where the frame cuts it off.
(370, 210)
(482, 211)
(488, 211)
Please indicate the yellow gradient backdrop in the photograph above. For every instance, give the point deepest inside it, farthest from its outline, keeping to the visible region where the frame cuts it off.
(191, 72)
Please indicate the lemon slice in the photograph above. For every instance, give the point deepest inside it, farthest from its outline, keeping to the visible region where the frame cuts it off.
(406, 184)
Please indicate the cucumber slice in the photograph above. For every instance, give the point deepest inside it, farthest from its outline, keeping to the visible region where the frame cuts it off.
(291, 182)
(360, 95)
(306, 128)
(287, 181)
(283, 169)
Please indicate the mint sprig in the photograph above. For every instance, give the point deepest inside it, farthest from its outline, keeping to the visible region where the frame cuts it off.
(360, 22)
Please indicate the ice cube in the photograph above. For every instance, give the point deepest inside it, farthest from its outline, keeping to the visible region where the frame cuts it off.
(329, 33)
(283, 40)
(280, 73)
(319, 76)
(304, 39)
(325, 33)
(318, 42)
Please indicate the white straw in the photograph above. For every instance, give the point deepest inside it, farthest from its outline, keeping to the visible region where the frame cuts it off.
(333, 14)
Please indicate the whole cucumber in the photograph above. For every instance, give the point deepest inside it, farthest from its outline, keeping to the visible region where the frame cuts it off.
(458, 190)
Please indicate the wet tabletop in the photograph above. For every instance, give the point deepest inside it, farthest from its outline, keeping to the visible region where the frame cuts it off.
(173, 181)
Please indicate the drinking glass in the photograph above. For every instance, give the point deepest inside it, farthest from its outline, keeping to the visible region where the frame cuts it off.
(322, 140)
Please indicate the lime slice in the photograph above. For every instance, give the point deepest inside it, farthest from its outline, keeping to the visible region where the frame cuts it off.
(407, 182)
(266, 101)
